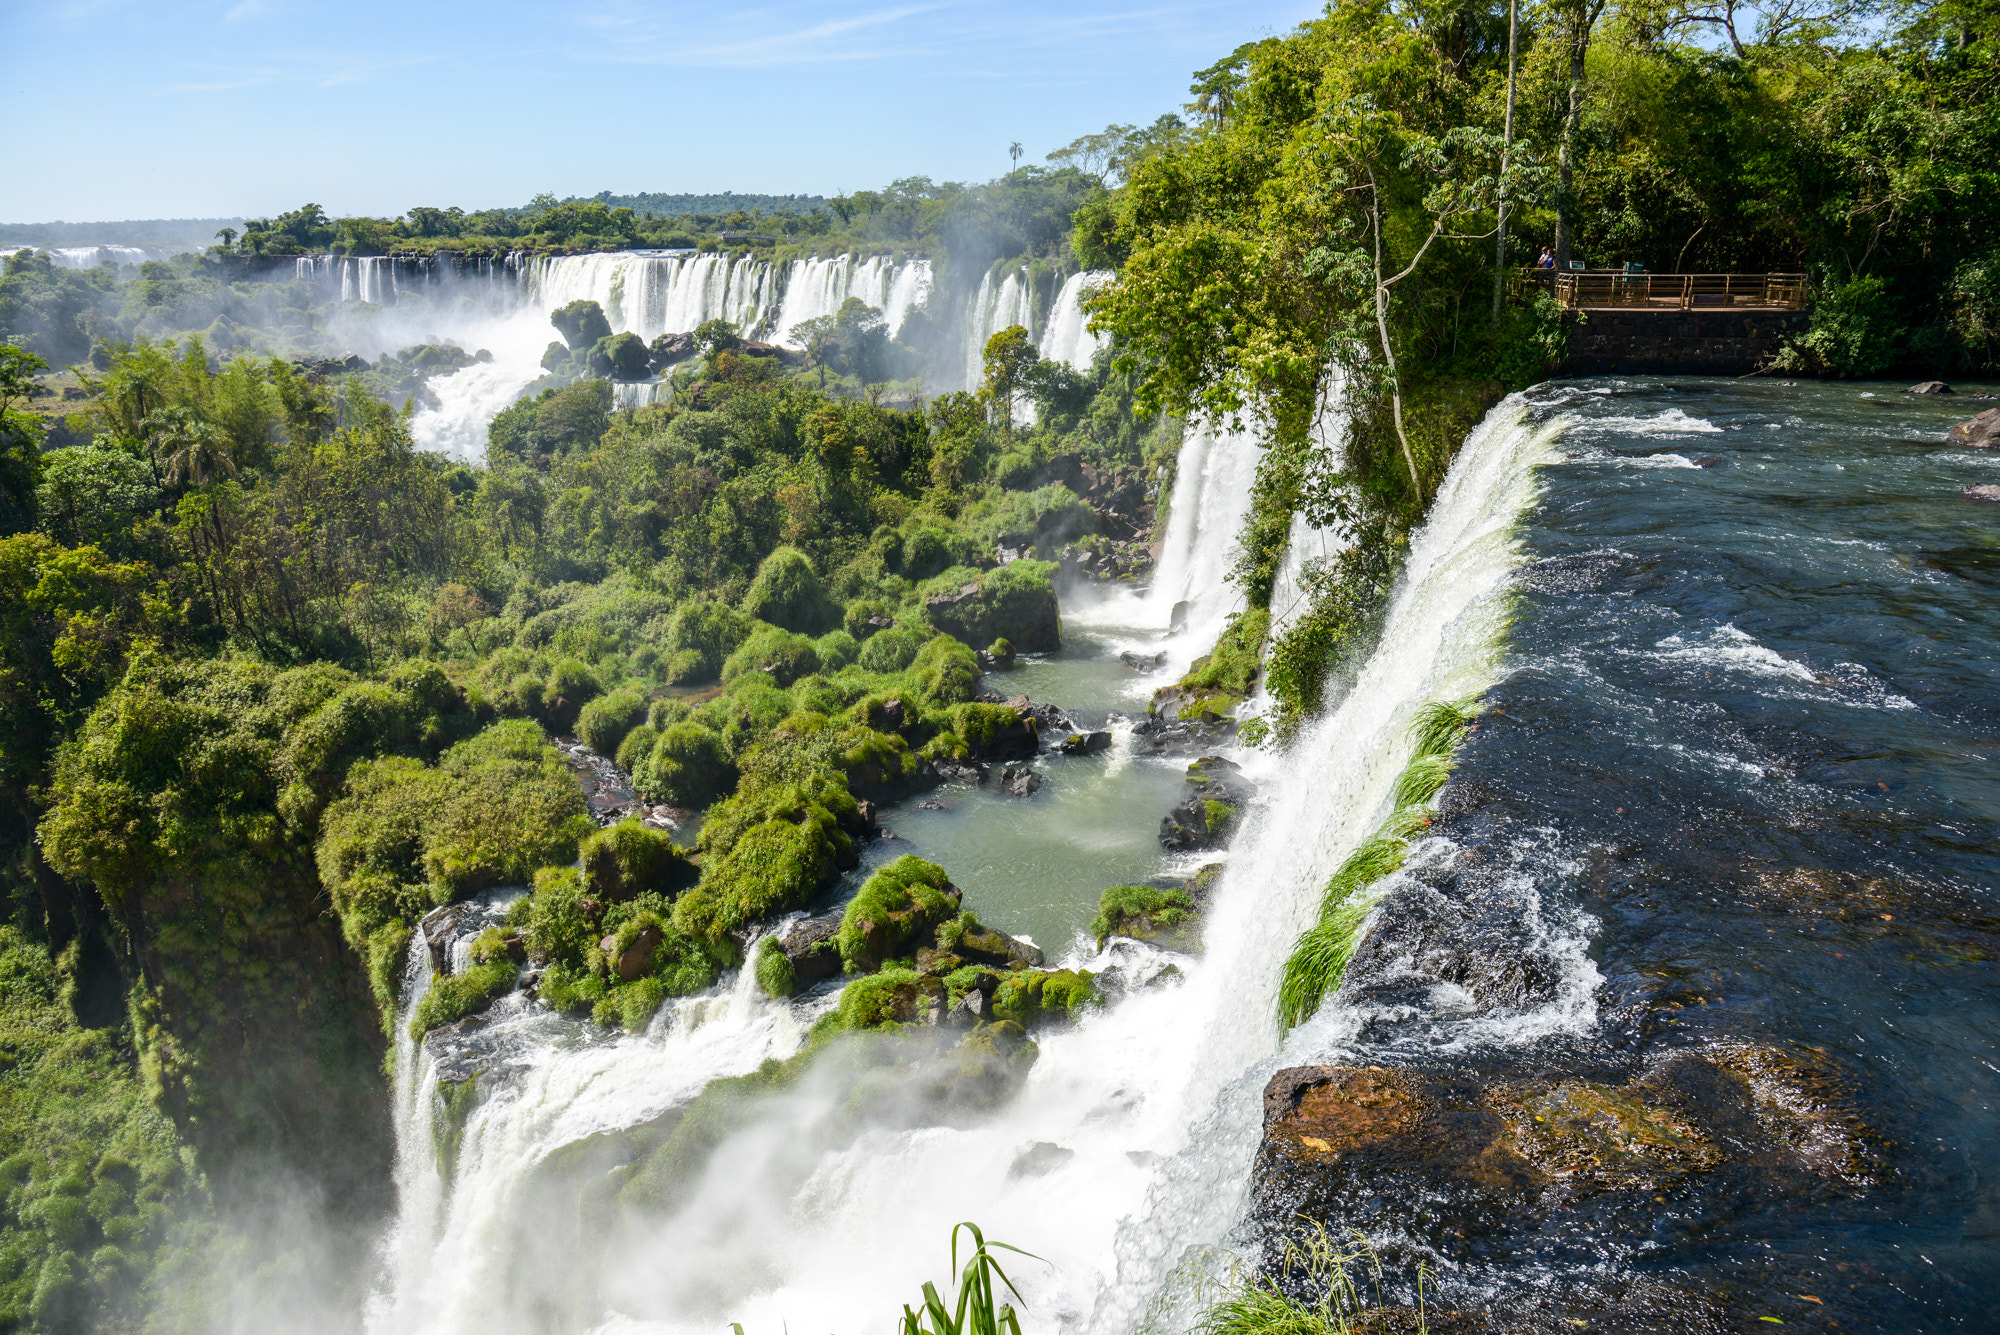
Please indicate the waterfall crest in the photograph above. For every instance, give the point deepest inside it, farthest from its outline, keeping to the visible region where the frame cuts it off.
(996, 306)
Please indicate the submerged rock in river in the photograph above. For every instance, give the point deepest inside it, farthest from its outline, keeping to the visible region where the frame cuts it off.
(1489, 1165)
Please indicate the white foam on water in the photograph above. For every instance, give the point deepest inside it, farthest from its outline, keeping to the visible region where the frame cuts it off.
(1672, 422)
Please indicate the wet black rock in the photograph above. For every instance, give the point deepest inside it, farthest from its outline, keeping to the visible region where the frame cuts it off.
(1040, 1159)
(980, 944)
(1158, 735)
(960, 772)
(1139, 662)
(1084, 743)
(809, 944)
(1490, 1164)
(1019, 781)
(1208, 816)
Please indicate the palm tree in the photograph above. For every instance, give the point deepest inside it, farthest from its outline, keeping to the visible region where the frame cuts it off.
(189, 452)
(1014, 152)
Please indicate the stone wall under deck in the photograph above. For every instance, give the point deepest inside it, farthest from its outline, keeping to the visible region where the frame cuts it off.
(1691, 342)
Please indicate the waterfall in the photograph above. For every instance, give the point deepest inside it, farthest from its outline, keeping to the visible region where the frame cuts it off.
(1213, 478)
(1305, 543)
(996, 306)
(1442, 636)
(1067, 340)
(818, 287)
(1142, 1119)
(650, 295)
(456, 1256)
(90, 257)
(627, 395)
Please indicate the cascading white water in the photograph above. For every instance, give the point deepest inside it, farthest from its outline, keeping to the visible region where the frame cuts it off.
(91, 257)
(1305, 543)
(1142, 1120)
(994, 307)
(647, 295)
(1441, 638)
(819, 287)
(453, 1245)
(1068, 338)
(1213, 479)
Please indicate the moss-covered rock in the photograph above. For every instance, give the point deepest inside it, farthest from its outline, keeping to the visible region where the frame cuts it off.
(1017, 603)
(458, 995)
(782, 655)
(1039, 996)
(765, 851)
(1164, 917)
(1208, 816)
(898, 909)
(688, 766)
(969, 939)
(788, 592)
(627, 859)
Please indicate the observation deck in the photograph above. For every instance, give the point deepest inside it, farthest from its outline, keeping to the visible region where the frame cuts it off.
(1628, 320)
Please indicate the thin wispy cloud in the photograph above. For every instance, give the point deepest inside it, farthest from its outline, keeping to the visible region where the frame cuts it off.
(314, 71)
(817, 43)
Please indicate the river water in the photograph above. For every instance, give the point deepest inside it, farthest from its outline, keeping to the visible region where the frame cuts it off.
(1735, 784)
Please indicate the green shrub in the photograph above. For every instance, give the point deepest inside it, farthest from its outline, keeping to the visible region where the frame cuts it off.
(945, 672)
(836, 649)
(637, 745)
(570, 685)
(898, 909)
(462, 994)
(891, 650)
(788, 592)
(605, 721)
(860, 613)
(558, 931)
(779, 654)
(629, 859)
(775, 973)
(688, 767)
(700, 635)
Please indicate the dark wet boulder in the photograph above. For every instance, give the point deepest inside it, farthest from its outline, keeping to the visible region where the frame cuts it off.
(806, 954)
(1929, 387)
(1019, 781)
(973, 941)
(671, 349)
(1981, 432)
(1016, 603)
(1157, 735)
(1084, 743)
(1139, 662)
(1208, 816)
(1483, 1164)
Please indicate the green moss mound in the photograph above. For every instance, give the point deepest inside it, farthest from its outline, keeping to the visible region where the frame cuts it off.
(603, 723)
(1038, 996)
(898, 909)
(628, 859)
(1145, 913)
(461, 994)
(788, 592)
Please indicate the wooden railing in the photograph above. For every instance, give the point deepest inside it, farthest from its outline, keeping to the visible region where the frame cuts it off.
(1587, 289)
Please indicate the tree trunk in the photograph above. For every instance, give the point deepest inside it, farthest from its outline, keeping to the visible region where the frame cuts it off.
(1584, 17)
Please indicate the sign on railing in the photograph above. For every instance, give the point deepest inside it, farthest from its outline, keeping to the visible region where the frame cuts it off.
(1611, 288)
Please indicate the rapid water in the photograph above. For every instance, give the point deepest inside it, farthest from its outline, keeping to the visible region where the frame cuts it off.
(1735, 786)
(1068, 338)
(1213, 481)
(994, 307)
(1129, 1143)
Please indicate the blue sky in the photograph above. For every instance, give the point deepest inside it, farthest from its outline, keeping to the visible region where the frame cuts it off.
(246, 107)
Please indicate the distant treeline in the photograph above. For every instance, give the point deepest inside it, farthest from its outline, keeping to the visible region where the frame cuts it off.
(676, 206)
(194, 233)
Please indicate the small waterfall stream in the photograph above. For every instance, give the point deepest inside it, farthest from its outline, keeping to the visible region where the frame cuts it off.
(1139, 1121)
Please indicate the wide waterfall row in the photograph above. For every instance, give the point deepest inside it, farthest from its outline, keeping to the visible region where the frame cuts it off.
(381, 280)
(92, 257)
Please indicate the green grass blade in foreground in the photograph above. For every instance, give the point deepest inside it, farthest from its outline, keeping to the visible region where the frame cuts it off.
(1320, 959)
